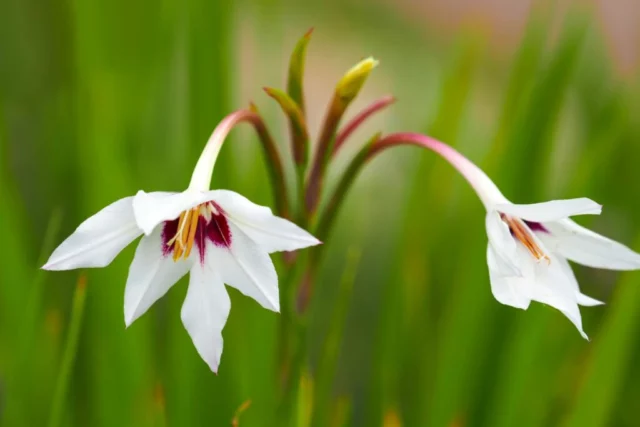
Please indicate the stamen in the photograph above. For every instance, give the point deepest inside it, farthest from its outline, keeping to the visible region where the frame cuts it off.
(178, 245)
(183, 240)
(524, 236)
(194, 227)
(195, 213)
(180, 227)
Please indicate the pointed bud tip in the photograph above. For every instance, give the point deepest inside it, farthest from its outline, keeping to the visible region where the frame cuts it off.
(352, 81)
(366, 65)
(307, 35)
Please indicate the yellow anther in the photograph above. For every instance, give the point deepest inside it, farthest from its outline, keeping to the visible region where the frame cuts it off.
(185, 236)
(524, 236)
(195, 214)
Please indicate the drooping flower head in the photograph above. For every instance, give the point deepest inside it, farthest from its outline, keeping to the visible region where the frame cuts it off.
(529, 244)
(218, 236)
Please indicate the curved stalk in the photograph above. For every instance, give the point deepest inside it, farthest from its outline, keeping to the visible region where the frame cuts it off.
(476, 177)
(203, 171)
(358, 120)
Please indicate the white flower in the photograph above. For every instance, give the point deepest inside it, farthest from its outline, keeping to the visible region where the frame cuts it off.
(529, 245)
(218, 236)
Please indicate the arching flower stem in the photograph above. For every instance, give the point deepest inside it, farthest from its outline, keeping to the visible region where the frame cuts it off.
(201, 177)
(357, 121)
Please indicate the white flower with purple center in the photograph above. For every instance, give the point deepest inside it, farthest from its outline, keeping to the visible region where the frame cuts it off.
(218, 236)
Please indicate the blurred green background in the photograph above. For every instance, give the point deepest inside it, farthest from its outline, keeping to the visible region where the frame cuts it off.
(100, 99)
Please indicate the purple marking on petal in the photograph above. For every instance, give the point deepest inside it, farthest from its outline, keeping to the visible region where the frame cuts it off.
(536, 226)
(218, 229)
(200, 238)
(169, 229)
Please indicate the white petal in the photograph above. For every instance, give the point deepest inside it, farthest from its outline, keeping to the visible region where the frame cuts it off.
(151, 275)
(555, 288)
(507, 290)
(586, 247)
(503, 246)
(271, 233)
(587, 301)
(150, 209)
(582, 299)
(551, 211)
(98, 240)
(248, 268)
(205, 312)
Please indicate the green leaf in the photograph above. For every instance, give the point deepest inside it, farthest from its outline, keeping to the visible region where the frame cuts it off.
(295, 82)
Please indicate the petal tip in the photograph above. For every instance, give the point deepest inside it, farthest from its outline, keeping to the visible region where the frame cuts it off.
(214, 366)
(129, 318)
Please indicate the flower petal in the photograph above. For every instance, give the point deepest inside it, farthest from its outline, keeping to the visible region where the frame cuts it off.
(586, 247)
(587, 301)
(503, 246)
(248, 268)
(98, 240)
(150, 209)
(582, 299)
(270, 232)
(508, 290)
(554, 287)
(551, 211)
(205, 312)
(151, 275)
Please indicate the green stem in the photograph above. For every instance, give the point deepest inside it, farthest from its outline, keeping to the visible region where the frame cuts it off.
(292, 333)
(302, 217)
(274, 164)
(324, 149)
(326, 369)
(69, 355)
(348, 178)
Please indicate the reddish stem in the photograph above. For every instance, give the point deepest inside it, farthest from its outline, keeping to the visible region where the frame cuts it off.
(274, 164)
(358, 120)
(484, 187)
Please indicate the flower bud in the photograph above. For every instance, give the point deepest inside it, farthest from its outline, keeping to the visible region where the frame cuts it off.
(351, 83)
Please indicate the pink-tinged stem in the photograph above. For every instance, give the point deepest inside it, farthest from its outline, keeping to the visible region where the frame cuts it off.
(481, 183)
(484, 187)
(204, 168)
(358, 120)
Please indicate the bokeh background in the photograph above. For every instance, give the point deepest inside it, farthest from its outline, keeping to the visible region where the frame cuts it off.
(100, 99)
